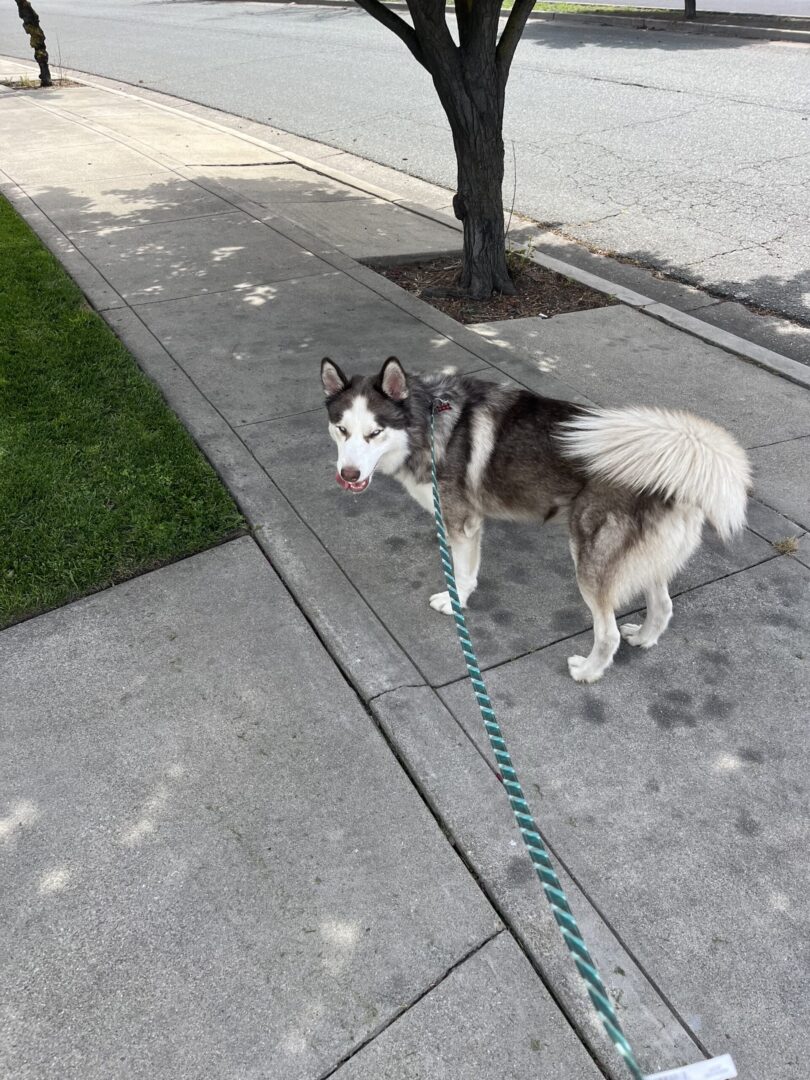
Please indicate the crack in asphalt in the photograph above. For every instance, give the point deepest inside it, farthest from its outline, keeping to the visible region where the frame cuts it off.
(710, 96)
(744, 247)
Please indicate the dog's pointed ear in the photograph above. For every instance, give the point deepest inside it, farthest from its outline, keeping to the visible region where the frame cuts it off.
(333, 379)
(392, 380)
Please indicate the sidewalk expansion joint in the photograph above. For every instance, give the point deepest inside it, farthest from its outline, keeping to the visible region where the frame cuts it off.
(234, 164)
(399, 1013)
(137, 302)
(118, 229)
(626, 614)
(271, 419)
(395, 689)
(776, 510)
(482, 753)
(779, 442)
(433, 691)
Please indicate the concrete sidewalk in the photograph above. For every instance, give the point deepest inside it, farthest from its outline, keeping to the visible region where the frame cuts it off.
(151, 773)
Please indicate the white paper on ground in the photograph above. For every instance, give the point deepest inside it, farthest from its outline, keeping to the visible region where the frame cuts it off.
(718, 1068)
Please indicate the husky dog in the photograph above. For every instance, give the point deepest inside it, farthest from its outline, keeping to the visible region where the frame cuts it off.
(635, 484)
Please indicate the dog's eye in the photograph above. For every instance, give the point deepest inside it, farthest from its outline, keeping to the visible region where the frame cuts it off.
(375, 433)
(342, 430)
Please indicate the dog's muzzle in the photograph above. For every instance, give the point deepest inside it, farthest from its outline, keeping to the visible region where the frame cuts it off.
(347, 485)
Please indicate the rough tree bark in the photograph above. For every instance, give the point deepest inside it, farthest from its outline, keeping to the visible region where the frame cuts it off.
(690, 9)
(470, 79)
(471, 91)
(36, 36)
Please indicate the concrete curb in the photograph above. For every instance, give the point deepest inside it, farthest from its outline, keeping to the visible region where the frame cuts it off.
(723, 339)
(755, 354)
(646, 22)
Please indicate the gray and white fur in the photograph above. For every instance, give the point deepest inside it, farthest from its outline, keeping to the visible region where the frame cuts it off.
(635, 484)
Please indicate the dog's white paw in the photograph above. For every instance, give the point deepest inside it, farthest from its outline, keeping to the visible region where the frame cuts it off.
(440, 601)
(631, 632)
(581, 671)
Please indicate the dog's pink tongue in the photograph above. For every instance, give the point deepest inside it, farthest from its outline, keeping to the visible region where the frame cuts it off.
(343, 483)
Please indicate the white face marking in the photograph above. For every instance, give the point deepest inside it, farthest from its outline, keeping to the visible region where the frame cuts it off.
(363, 445)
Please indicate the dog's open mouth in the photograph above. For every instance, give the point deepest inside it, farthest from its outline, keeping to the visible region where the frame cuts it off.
(347, 485)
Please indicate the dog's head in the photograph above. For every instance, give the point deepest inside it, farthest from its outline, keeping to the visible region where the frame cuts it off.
(367, 419)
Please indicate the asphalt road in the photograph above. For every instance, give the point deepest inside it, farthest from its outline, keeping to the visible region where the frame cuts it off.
(689, 153)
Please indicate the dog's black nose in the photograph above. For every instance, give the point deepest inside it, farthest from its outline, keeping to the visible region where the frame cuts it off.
(350, 475)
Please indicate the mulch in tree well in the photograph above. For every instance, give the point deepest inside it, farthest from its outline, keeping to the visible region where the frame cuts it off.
(539, 291)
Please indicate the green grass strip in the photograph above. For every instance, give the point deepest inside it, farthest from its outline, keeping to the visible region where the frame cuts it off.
(98, 479)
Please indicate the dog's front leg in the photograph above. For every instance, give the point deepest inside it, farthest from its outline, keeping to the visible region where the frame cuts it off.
(465, 547)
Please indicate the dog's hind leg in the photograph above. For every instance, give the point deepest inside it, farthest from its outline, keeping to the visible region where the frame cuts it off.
(466, 549)
(667, 543)
(659, 612)
(600, 537)
(605, 639)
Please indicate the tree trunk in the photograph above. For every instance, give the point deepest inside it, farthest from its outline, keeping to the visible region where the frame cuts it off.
(470, 79)
(479, 205)
(36, 36)
(473, 98)
(690, 9)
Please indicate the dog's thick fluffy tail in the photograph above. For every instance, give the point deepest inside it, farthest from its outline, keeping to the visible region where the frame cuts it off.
(665, 452)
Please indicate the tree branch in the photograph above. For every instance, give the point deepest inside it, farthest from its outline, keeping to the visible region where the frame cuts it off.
(510, 37)
(394, 22)
(477, 22)
(430, 23)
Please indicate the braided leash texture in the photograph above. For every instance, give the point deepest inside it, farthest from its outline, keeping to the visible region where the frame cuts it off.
(528, 830)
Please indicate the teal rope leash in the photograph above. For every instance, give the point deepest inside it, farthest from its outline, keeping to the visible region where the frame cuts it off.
(528, 830)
